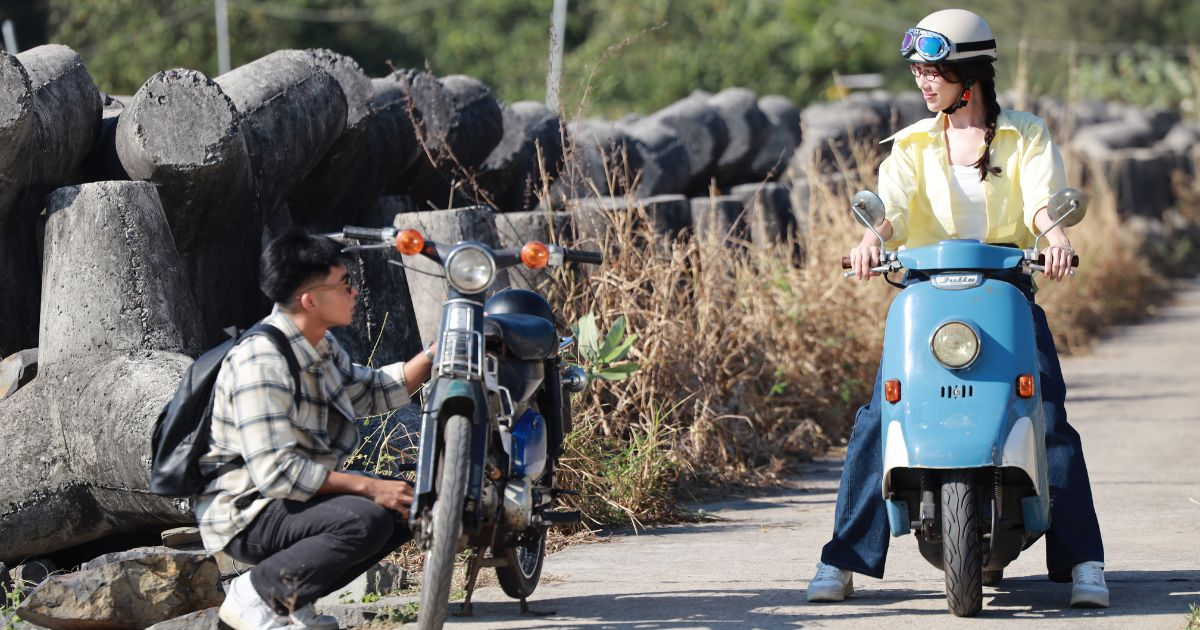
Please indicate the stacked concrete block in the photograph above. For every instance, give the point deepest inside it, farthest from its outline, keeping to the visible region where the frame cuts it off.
(458, 123)
(721, 219)
(530, 150)
(780, 141)
(665, 164)
(601, 159)
(49, 121)
(747, 126)
(117, 325)
(702, 130)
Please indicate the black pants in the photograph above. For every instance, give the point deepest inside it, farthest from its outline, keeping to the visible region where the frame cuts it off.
(304, 550)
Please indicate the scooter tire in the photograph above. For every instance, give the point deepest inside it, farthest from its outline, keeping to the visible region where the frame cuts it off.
(962, 546)
(447, 524)
(524, 568)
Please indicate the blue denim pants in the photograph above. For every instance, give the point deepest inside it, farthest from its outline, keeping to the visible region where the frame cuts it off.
(861, 532)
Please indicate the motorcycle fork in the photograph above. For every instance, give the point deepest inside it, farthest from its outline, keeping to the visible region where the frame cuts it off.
(931, 529)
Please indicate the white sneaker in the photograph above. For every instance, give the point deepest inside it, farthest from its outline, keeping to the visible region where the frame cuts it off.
(244, 609)
(1089, 590)
(830, 584)
(307, 618)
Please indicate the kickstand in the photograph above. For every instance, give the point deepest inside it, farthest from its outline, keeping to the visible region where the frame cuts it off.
(534, 613)
(466, 609)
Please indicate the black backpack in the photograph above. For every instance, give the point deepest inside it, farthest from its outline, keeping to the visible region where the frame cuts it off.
(183, 428)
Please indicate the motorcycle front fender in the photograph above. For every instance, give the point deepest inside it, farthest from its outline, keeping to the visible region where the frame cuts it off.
(450, 397)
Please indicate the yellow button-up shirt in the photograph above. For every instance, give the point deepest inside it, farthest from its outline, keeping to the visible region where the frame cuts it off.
(914, 181)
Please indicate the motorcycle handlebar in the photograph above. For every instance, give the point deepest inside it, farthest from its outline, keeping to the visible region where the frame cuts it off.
(366, 234)
(1041, 261)
(579, 256)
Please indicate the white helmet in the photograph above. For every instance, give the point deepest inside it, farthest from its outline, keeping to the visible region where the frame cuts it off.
(948, 36)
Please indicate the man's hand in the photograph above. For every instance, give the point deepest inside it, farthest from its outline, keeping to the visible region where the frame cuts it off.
(393, 495)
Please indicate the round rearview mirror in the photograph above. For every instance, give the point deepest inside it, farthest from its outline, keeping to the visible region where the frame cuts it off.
(1068, 205)
(868, 208)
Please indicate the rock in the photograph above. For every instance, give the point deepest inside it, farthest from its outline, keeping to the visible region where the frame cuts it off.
(511, 175)
(747, 125)
(780, 140)
(180, 537)
(183, 133)
(702, 131)
(135, 589)
(476, 223)
(17, 370)
(117, 326)
(206, 619)
(665, 165)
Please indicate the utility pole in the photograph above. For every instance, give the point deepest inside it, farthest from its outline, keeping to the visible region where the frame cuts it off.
(222, 37)
(10, 37)
(558, 29)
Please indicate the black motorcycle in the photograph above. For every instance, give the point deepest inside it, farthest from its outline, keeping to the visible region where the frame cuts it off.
(493, 419)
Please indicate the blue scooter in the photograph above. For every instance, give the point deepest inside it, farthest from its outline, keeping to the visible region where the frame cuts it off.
(964, 448)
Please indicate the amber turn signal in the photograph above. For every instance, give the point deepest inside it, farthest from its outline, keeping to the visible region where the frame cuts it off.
(535, 254)
(891, 391)
(1025, 386)
(410, 242)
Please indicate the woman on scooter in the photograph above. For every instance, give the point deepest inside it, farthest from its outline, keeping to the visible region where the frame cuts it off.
(979, 172)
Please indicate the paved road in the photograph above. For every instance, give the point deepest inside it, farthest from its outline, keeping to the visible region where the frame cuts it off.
(1136, 402)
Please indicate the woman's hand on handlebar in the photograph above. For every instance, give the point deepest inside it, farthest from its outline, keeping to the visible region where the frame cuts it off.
(1058, 260)
(864, 256)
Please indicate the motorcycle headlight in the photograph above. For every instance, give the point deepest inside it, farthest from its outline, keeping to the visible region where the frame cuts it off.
(470, 269)
(955, 345)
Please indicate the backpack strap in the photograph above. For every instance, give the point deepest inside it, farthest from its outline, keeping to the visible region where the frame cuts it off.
(285, 348)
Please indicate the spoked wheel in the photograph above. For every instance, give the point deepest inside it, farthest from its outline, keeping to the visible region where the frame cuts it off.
(524, 568)
(962, 551)
(447, 524)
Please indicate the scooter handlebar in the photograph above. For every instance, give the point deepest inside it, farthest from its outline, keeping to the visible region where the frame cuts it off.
(1042, 260)
(367, 234)
(579, 256)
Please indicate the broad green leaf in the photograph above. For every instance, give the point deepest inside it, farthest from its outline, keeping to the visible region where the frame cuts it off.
(617, 372)
(620, 352)
(589, 337)
(612, 339)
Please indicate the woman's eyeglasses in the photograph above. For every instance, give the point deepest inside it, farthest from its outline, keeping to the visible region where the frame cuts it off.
(929, 72)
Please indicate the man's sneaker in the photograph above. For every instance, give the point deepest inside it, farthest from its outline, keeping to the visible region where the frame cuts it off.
(307, 618)
(245, 610)
(1089, 590)
(830, 584)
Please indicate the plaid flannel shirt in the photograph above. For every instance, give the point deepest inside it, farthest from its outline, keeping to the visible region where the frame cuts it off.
(279, 450)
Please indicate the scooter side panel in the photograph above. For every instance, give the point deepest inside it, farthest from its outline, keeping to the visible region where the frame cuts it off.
(956, 418)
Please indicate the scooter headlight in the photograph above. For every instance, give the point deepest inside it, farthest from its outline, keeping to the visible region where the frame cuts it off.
(470, 269)
(955, 345)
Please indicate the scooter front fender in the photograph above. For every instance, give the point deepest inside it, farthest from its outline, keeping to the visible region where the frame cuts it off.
(449, 397)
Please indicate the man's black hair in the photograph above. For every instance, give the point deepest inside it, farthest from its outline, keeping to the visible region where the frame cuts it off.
(294, 259)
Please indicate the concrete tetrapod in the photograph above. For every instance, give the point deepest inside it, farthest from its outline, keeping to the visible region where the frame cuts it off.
(601, 159)
(117, 326)
(780, 141)
(52, 123)
(747, 126)
(183, 133)
(704, 135)
(511, 175)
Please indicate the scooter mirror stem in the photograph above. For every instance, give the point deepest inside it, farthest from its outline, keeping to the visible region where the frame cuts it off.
(856, 208)
(1036, 242)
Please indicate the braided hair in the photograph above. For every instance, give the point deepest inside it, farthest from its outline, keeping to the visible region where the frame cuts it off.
(979, 76)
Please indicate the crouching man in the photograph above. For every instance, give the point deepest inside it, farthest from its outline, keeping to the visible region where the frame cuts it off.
(278, 500)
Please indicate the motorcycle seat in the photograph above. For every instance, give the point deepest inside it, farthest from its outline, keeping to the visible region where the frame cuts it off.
(526, 337)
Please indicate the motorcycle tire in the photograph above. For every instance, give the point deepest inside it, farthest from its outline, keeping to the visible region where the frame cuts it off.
(962, 546)
(447, 524)
(524, 567)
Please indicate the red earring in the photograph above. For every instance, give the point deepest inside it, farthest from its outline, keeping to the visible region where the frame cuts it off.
(966, 95)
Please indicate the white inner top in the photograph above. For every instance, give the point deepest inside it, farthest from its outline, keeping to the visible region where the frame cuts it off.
(970, 211)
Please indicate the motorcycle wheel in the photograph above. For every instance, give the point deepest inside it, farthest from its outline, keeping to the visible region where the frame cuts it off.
(447, 525)
(524, 568)
(962, 553)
